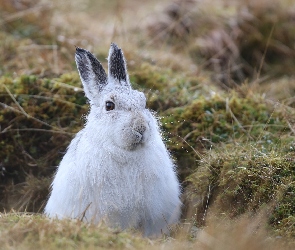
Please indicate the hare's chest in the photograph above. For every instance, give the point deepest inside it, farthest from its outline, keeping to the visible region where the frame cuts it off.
(125, 187)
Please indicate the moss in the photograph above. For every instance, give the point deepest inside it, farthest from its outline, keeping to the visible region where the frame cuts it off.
(221, 118)
(165, 89)
(246, 177)
(39, 117)
(149, 76)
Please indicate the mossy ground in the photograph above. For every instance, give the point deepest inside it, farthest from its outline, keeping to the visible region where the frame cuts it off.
(38, 119)
(234, 148)
(246, 177)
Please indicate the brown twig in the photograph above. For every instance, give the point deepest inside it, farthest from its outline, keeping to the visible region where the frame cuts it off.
(264, 52)
(8, 129)
(235, 119)
(84, 212)
(15, 101)
(28, 116)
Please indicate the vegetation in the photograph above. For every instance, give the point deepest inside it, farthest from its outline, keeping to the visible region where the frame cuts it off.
(238, 40)
(220, 76)
(247, 178)
(20, 231)
(38, 118)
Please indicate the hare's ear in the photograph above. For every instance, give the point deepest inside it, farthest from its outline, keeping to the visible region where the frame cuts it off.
(117, 66)
(92, 74)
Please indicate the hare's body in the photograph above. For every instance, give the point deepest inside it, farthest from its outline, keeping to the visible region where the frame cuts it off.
(117, 168)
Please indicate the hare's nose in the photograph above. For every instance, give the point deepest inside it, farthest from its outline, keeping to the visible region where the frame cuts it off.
(139, 125)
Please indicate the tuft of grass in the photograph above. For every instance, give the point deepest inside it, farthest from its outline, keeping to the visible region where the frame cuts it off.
(26, 231)
(242, 178)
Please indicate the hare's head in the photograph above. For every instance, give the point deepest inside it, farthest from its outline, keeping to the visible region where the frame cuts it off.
(118, 113)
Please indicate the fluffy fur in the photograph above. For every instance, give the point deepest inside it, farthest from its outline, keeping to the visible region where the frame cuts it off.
(117, 168)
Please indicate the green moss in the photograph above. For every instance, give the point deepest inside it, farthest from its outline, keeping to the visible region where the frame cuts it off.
(166, 89)
(207, 121)
(246, 177)
(39, 117)
(149, 76)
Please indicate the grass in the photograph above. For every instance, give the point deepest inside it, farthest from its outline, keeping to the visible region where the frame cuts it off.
(237, 40)
(22, 231)
(220, 76)
(247, 178)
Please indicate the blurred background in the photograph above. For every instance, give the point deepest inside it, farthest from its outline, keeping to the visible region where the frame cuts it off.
(237, 40)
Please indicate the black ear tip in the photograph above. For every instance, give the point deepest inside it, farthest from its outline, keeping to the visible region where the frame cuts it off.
(80, 50)
(114, 46)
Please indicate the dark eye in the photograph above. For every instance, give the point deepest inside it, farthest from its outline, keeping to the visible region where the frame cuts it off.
(110, 106)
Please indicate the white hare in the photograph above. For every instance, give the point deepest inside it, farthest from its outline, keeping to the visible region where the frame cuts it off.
(117, 168)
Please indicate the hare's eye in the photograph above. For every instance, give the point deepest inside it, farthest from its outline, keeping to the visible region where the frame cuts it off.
(110, 106)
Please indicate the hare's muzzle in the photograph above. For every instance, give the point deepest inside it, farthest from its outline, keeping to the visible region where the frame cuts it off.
(139, 125)
(138, 129)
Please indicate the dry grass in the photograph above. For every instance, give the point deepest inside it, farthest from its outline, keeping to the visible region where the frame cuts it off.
(238, 40)
(27, 231)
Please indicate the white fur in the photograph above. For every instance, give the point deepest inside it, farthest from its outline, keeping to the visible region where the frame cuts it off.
(117, 168)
